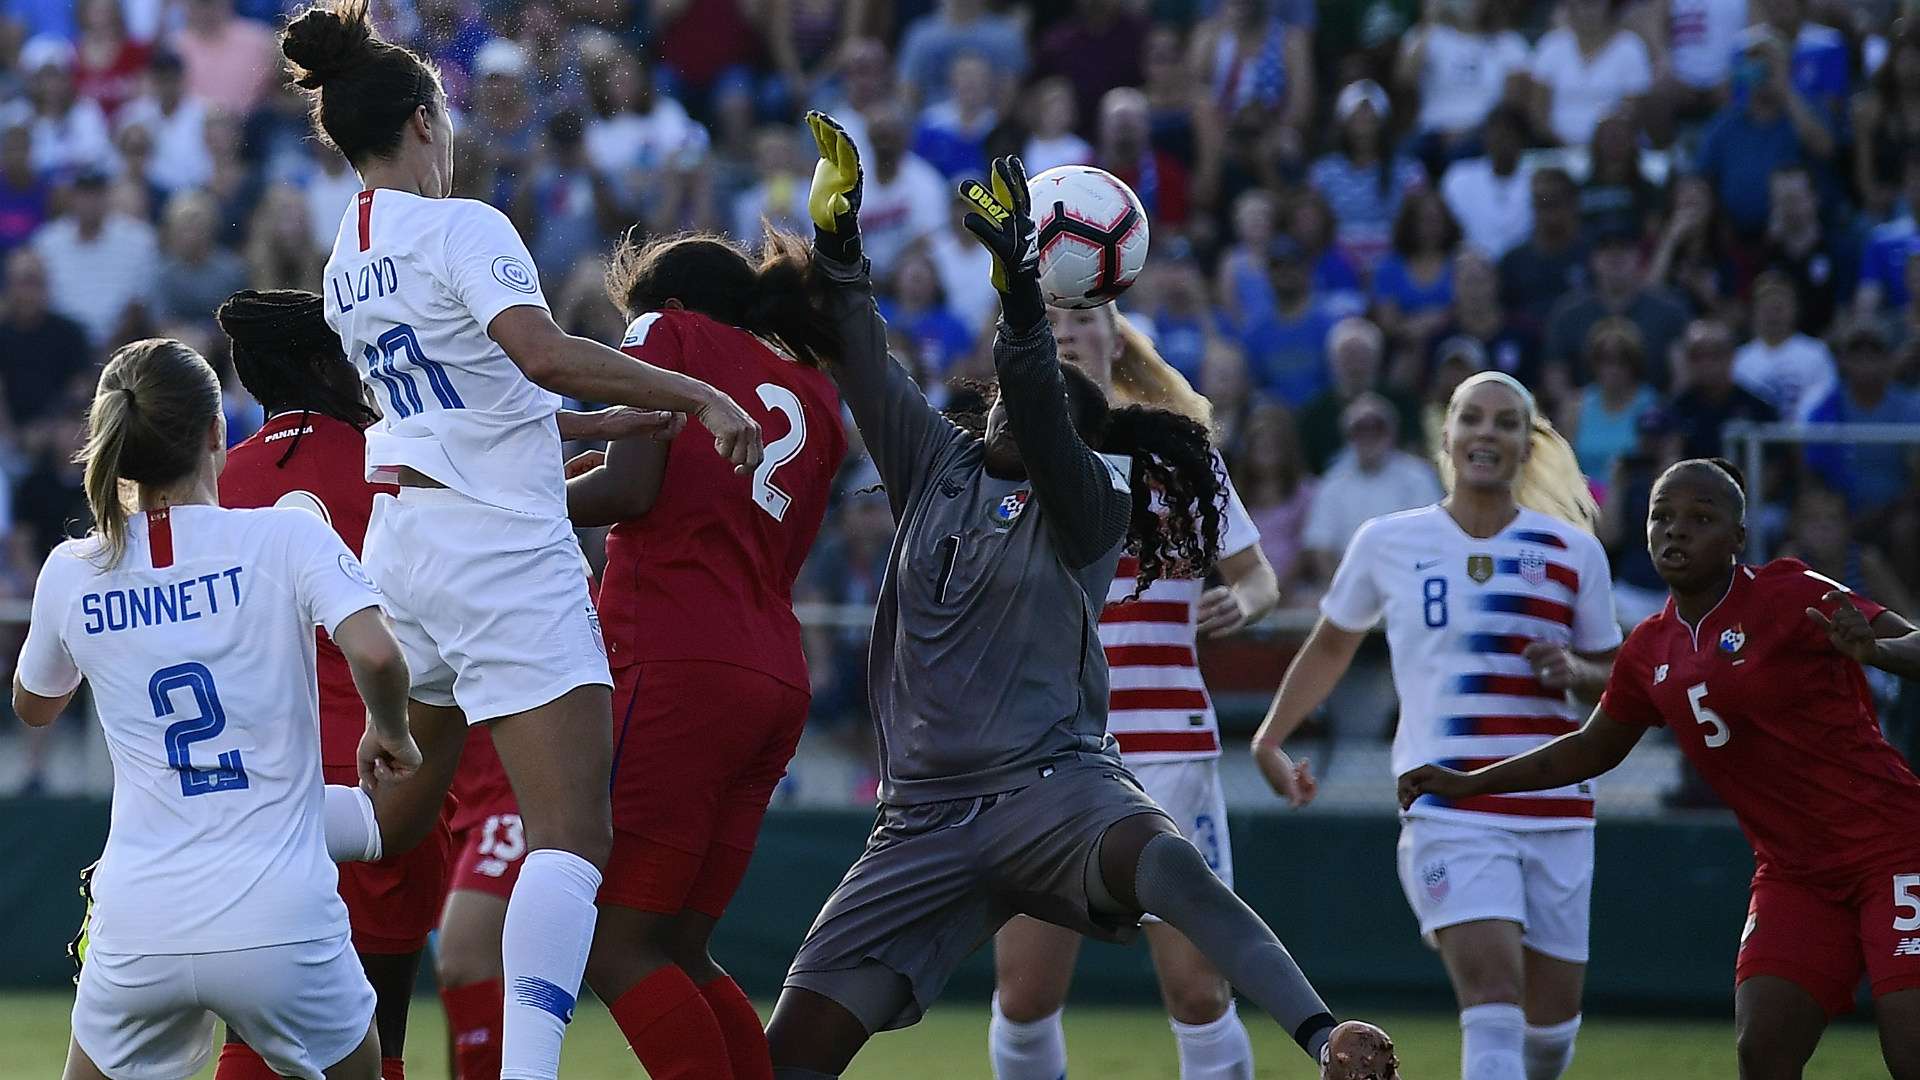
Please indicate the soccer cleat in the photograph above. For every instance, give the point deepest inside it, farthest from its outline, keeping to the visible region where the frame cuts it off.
(77, 948)
(1358, 1051)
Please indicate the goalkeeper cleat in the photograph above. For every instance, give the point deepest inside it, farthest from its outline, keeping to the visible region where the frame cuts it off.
(77, 948)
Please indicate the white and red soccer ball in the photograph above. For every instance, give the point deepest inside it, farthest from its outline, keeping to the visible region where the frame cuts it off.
(1092, 234)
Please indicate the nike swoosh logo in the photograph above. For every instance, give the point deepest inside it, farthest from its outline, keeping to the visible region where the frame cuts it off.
(1428, 565)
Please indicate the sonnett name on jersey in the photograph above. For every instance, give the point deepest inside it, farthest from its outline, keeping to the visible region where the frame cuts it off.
(156, 605)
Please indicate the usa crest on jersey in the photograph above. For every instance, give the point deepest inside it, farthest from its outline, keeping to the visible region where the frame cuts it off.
(1533, 567)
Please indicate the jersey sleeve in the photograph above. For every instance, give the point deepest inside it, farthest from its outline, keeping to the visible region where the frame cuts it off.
(655, 339)
(1237, 530)
(45, 666)
(1596, 627)
(487, 265)
(1628, 697)
(1353, 602)
(329, 581)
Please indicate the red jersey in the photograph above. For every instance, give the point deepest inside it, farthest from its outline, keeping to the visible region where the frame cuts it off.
(323, 475)
(707, 573)
(1777, 722)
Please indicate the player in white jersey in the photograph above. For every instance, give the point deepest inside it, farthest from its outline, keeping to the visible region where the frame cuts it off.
(1163, 718)
(194, 625)
(1494, 611)
(439, 304)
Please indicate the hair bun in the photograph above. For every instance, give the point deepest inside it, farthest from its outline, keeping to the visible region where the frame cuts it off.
(327, 39)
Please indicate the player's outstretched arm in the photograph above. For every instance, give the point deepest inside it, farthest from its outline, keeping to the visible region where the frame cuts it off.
(1889, 643)
(1316, 669)
(1598, 746)
(380, 674)
(581, 368)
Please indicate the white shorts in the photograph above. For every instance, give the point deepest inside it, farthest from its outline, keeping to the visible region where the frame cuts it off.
(1542, 879)
(490, 605)
(1190, 793)
(303, 1007)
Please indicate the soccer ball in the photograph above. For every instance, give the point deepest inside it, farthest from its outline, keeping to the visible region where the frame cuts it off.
(1092, 233)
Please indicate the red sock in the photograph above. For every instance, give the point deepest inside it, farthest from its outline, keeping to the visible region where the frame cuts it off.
(390, 1069)
(239, 1062)
(746, 1039)
(671, 1029)
(473, 1016)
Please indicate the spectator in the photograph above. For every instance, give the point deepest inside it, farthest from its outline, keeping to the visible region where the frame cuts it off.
(44, 349)
(1697, 40)
(1227, 380)
(235, 187)
(331, 189)
(1883, 263)
(918, 311)
(1272, 477)
(278, 253)
(1357, 356)
(1603, 423)
(196, 274)
(1286, 352)
(866, 81)
(564, 206)
(1818, 58)
(781, 195)
(231, 62)
(1462, 66)
(1371, 477)
(643, 142)
(107, 64)
(131, 193)
(1096, 48)
(502, 118)
(933, 41)
(26, 197)
(1638, 590)
(451, 36)
(1363, 179)
(1492, 196)
(1871, 475)
(806, 40)
(1886, 128)
(1413, 287)
(965, 269)
(178, 123)
(1052, 141)
(1768, 125)
(1125, 149)
(1903, 323)
(1585, 70)
(1818, 536)
(1183, 318)
(1182, 117)
(1797, 245)
(1241, 285)
(906, 198)
(1618, 291)
(1257, 66)
(102, 267)
(1785, 368)
(952, 133)
(69, 132)
(1553, 262)
(1477, 318)
(702, 41)
(1690, 258)
(1712, 399)
(1309, 220)
(1617, 194)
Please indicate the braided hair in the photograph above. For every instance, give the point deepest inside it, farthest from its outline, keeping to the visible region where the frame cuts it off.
(289, 358)
(1171, 456)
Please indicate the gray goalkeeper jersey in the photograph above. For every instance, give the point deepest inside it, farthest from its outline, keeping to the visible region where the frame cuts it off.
(985, 661)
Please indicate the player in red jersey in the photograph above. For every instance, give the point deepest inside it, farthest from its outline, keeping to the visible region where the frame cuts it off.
(1773, 709)
(309, 454)
(710, 685)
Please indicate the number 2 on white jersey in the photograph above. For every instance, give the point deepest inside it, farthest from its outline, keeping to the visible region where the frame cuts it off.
(781, 450)
(1718, 732)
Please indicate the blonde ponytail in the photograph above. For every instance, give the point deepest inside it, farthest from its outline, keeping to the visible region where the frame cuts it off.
(1550, 480)
(1141, 377)
(147, 425)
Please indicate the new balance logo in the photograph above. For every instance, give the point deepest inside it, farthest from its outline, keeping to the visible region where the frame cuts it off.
(1907, 947)
(1659, 674)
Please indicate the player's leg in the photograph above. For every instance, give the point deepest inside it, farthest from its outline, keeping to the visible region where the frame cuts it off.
(1485, 963)
(79, 1065)
(1032, 971)
(1776, 1026)
(392, 976)
(1557, 873)
(1553, 991)
(1211, 1040)
(1898, 1015)
(657, 1005)
(364, 1063)
(467, 964)
(1889, 926)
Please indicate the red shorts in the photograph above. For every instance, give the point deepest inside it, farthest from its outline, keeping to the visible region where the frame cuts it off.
(393, 904)
(488, 839)
(1824, 940)
(698, 747)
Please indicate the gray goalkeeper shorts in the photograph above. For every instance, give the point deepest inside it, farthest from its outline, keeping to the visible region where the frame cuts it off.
(937, 880)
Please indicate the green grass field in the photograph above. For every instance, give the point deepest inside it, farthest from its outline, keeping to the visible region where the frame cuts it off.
(1104, 1044)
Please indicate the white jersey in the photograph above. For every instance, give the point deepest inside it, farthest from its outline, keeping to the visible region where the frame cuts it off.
(1158, 707)
(199, 646)
(411, 288)
(1459, 612)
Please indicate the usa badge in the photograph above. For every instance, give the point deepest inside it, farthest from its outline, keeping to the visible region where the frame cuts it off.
(1008, 510)
(1434, 877)
(1533, 568)
(1732, 640)
(1480, 568)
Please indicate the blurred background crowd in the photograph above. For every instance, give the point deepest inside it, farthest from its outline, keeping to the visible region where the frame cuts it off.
(1662, 215)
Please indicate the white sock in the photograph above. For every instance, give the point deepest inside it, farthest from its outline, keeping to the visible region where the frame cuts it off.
(1031, 1051)
(1490, 1040)
(543, 953)
(353, 834)
(1216, 1051)
(1550, 1049)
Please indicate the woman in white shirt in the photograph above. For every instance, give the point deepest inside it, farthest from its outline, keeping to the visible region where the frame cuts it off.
(1585, 70)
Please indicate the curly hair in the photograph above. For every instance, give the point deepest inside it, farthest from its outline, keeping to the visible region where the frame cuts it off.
(1172, 458)
(773, 294)
(289, 358)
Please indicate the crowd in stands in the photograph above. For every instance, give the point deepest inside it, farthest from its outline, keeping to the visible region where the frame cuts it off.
(1662, 215)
